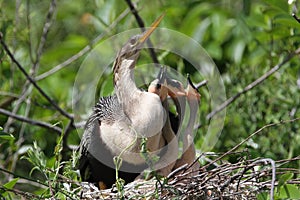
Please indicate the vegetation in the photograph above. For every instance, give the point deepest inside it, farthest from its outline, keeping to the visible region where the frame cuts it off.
(254, 44)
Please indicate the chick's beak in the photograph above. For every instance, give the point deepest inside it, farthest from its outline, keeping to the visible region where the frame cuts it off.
(192, 92)
(159, 85)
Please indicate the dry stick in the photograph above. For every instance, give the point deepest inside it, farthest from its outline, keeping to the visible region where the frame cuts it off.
(273, 174)
(295, 17)
(250, 136)
(82, 51)
(282, 162)
(65, 147)
(15, 156)
(31, 79)
(141, 24)
(35, 181)
(27, 89)
(253, 84)
(30, 121)
(43, 39)
(27, 195)
(201, 84)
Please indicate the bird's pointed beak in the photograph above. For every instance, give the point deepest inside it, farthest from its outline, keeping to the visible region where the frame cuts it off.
(154, 25)
(191, 91)
(162, 80)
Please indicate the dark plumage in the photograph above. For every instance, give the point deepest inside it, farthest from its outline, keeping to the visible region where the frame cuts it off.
(98, 166)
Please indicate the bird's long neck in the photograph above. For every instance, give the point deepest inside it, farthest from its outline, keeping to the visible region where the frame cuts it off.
(125, 86)
(193, 104)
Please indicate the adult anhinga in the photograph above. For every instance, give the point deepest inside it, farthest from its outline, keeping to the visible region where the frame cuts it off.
(120, 122)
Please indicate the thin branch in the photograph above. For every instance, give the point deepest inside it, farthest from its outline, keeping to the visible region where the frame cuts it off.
(14, 157)
(28, 23)
(45, 32)
(141, 24)
(201, 84)
(23, 177)
(30, 121)
(273, 174)
(253, 84)
(296, 18)
(26, 195)
(65, 148)
(84, 50)
(5, 47)
(27, 89)
(250, 136)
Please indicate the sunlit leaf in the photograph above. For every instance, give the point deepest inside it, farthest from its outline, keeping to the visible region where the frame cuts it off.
(284, 178)
(11, 183)
(289, 191)
(6, 136)
(279, 4)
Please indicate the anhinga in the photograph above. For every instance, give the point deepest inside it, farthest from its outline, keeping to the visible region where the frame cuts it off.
(120, 122)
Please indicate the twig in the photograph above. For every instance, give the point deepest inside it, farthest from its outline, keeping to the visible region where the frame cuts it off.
(141, 24)
(201, 84)
(82, 51)
(253, 84)
(65, 148)
(27, 195)
(273, 174)
(23, 177)
(30, 121)
(26, 88)
(5, 47)
(43, 39)
(14, 157)
(250, 136)
(296, 18)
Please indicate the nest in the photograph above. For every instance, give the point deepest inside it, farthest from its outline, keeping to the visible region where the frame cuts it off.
(244, 179)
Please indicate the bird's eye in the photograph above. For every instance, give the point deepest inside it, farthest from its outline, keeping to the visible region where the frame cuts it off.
(133, 41)
(158, 86)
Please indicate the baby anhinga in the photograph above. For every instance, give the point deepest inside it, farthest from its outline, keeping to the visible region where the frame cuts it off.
(120, 122)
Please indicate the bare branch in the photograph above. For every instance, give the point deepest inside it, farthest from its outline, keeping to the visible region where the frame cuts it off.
(250, 136)
(25, 195)
(296, 18)
(82, 51)
(253, 84)
(273, 174)
(5, 47)
(43, 39)
(30, 121)
(142, 26)
(201, 84)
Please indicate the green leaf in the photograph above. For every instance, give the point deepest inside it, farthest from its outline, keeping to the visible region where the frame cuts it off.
(284, 178)
(107, 86)
(11, 183)
(6, 136)
(279, 4)
(263, 196)
(287, 21)
(289, 191)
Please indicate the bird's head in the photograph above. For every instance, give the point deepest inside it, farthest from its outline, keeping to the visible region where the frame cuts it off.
(159, 85)
(129, 53)
(132, 48)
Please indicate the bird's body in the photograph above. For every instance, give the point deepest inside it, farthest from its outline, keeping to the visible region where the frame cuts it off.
(132, 123)
(110, 133)
(120, 123)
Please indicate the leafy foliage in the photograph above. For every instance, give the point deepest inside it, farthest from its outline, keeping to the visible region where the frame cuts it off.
(244, 38)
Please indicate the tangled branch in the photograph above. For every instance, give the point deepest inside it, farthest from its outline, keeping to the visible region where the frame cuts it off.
(253, 84)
